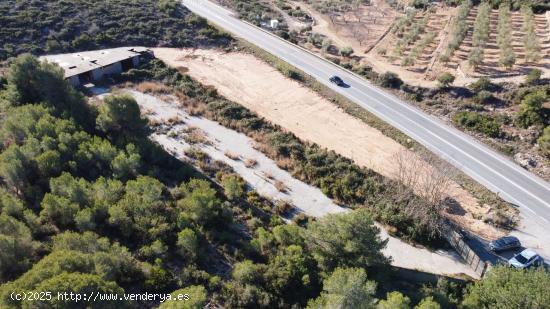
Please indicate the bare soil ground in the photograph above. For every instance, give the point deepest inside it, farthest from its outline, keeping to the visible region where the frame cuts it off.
(259, 87)
(360, 28)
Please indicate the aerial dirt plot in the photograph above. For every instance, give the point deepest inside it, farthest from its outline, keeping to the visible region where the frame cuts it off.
(261, 88)
(217, 141)
(361, 28)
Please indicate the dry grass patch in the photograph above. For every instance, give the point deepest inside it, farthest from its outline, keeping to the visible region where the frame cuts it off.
(195, 135)
(268, 175)
(250, 163)
(231, 155)
(153, 87)
(192, 106)
(280, 186)
(155, 123)
(283, 208)
(174, 120)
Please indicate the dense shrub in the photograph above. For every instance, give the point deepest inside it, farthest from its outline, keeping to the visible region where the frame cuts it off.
(483, 83)
(77, 212)
(253, 11)
(445, 79)
(291, 73)
(389, 80)
(507, 287)
(346, 288)
(365, 71)
(61, 26)
(478, 123)
(420, 4)
(533, 78)
(32, 81)
(544, 141)
(530, 111)
(483, 97)
(346, 51)
(115, 229)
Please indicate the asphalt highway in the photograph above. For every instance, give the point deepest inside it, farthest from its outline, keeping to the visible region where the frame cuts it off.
(526, 191)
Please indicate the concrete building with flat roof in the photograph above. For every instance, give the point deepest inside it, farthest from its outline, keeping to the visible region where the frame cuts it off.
(85, 67)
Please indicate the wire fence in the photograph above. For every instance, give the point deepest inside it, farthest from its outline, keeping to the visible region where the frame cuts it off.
(455, 239)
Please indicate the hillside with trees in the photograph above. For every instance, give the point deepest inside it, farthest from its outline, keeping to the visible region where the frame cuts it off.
(88, 203)
(59, 26)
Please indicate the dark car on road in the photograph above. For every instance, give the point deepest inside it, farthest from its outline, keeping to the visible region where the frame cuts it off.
(337, 80)
(504, 243)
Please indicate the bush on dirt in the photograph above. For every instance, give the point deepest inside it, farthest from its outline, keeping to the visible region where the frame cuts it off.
(483, 97)
(483, 83)
(346, 51)
(389, 80)
(533, 78)
(544, 141)
(445, 79)
(530, 111)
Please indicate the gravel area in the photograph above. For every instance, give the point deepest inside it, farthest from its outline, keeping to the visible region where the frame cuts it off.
(305, 198)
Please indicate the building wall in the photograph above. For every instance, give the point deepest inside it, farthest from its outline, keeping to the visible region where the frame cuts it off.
(74, 80)
(114, 68)
(97, 74)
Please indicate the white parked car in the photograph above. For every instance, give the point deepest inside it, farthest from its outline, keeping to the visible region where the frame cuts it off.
(526, 259)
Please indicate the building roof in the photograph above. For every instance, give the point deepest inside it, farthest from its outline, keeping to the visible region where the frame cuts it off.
(77, 63)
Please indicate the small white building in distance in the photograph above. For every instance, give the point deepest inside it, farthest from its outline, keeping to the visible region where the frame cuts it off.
(274, 24)
(85, 67)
